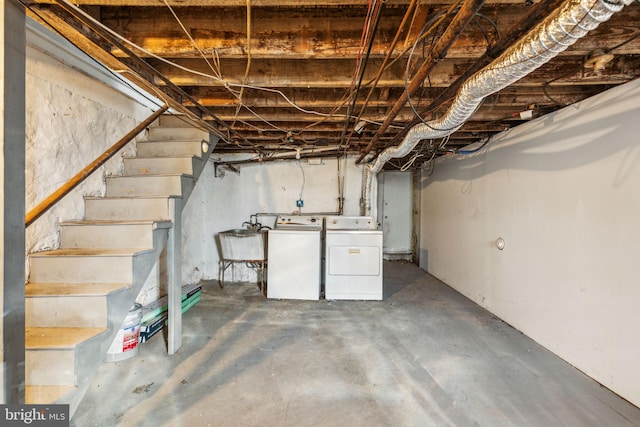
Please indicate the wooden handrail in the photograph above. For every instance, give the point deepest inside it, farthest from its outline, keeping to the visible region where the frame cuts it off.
(54, 197)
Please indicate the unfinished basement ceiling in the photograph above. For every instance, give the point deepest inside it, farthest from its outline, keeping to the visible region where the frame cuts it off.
(332, 75)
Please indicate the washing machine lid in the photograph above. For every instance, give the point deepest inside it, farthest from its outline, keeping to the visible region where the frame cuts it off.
(350, 223)
(298, 222)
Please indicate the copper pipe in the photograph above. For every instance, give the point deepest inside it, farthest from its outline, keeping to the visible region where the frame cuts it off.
(66, 188)
(392, 47)
(362, 70)
(466, 13)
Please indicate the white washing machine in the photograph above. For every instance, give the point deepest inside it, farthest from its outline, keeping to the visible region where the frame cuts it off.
(293, 256)
(353, 258)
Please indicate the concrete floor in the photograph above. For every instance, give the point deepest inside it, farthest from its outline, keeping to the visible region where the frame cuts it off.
(425, 356)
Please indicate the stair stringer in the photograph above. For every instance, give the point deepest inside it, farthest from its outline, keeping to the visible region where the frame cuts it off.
(89, 362)
(90, 353)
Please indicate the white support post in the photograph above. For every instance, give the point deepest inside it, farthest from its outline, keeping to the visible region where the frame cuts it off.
(174, 274)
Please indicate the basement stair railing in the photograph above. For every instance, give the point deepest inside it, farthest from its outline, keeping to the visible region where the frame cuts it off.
(79, 178)
(173, 242)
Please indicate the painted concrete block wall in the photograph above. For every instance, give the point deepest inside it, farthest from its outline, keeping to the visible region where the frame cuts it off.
(562, 192)
(75, 110)
(223, 203)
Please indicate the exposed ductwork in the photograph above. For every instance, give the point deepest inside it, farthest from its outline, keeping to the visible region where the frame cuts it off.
(570, 22)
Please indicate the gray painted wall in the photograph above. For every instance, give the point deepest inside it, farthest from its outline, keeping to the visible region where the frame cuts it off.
(562, 191)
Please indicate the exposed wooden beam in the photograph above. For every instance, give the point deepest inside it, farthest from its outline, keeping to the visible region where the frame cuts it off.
(464, 15)
(317, 33)
(68, 22)
(316, 100)
(337, 73)
(308, 51)
(328, 73)
(254, 3)
(528, 21)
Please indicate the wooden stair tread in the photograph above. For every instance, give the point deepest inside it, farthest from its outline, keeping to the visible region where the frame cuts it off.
(44, 394)
(91, 252)
(162, 196)
(116, 222)
(58, 338)
(175, 156)
(49, 344)
(171, 141)
(148, 175)
(72, 289)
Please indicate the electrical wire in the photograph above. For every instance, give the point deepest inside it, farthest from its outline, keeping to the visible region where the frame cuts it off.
(193, 42)
(368, 36)
(363, 39)
(219, 79)
(372, 84)
(495, 101)
(114, 74)
(303, 179)
(421, 36)
(538, 55)
(525, 61)
(491, 22)
(107, 30)
(444, 142)
(225, 83)
(406, 49)
(431, 27)
(475, 150)
(216, 71)
(408, 164)
(248, 67)
(629, 40)
(541, 54)
(258, 116)
(368, 33)
(430, 164)
(547, 83)
(428, 28)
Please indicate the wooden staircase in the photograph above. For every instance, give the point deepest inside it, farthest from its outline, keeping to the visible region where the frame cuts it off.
(78, 295)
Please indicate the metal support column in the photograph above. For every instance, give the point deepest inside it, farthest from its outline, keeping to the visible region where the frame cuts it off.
(12, 205)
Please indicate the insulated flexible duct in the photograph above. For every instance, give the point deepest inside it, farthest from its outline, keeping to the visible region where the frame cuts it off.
(570, 22)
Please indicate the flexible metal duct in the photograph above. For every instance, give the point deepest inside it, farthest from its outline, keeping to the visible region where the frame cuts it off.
(570, 22)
